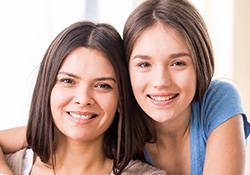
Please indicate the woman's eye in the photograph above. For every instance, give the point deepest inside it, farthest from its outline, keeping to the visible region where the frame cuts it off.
(104, 86)
(144, 64)
(67, 81)
(179, 63)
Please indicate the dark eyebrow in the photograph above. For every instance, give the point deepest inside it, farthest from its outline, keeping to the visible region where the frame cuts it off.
(97, 79)
(105, 79)
(69, 74)
(181, 54)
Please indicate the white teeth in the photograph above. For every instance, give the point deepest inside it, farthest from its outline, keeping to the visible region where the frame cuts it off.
(80, 116)
(163, 98)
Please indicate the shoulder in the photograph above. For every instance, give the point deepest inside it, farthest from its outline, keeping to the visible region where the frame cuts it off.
(220, 102)
(138, 167)
(221, 92)
(18, 161)
(218, 86)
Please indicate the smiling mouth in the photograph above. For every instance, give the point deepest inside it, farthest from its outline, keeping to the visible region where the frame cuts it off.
(163, 98)
(82, 116)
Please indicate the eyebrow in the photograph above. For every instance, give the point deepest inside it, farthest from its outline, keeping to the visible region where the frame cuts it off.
(105, 79)
(181, 54)
(144, 57)
(69, 74)
(97, 79)
(174, 55)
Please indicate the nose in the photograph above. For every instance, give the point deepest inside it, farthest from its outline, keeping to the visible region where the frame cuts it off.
(161, 77)
(83, 97)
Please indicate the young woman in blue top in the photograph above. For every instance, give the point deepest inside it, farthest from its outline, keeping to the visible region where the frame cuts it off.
(199, 125)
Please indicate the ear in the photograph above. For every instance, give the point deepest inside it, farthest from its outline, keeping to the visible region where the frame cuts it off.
(118, 108)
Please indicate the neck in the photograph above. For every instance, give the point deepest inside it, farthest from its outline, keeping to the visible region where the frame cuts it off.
(81, 157)
(175, 131)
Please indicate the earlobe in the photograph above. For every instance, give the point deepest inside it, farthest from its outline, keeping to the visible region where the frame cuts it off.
(119, 109)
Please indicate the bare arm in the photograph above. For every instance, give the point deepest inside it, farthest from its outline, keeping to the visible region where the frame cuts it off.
(226, 149)
(11, 140)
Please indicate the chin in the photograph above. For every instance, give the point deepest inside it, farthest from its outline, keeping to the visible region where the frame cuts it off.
(162, 118)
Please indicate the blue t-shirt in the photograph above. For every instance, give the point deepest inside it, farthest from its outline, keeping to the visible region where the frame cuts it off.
(220, 102)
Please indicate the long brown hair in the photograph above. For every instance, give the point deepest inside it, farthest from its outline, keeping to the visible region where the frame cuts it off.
(120, 141)
(183, 17)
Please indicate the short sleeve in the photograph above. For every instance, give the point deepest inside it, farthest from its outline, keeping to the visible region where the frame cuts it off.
(221, 102)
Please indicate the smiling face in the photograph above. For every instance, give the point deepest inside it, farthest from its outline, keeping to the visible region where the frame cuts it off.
(162, 74)
(85, 96)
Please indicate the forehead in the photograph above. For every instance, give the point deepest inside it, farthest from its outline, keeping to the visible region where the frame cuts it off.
(159, 29)
(159, 37)
(87, 61)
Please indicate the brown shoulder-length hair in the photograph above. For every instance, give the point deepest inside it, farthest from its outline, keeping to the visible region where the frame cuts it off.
(183, 17)
(120, 141)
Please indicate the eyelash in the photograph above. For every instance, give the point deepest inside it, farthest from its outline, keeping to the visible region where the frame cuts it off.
(179, 63)
(103, 86)
(144, 64)
(176, 64)
(67, 81)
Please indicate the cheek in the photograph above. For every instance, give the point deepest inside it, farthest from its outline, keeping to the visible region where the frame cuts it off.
(54, 105)
(109, 104)
(137, 80)
(188, 82)
(138, 83)
(53, 100)
(57, 100)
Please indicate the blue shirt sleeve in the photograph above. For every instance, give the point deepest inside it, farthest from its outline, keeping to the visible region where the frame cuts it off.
(221, 102)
